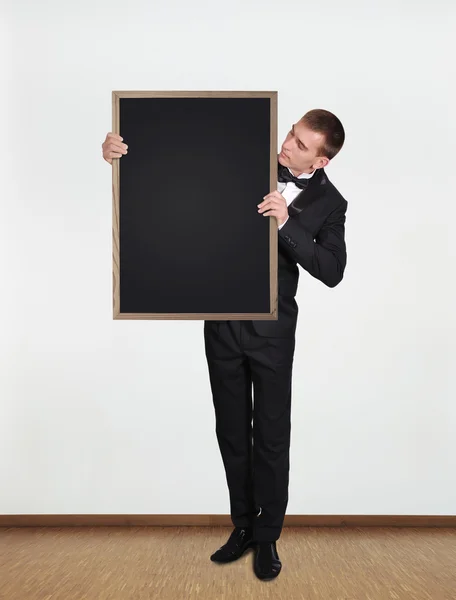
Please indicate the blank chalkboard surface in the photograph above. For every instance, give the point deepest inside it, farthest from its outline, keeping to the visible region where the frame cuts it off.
(188, 241)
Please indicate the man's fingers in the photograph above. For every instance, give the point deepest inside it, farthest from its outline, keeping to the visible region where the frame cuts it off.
(116, 136)
(114, 141)
(119, 147)
(110, 155)
(268, 204)
(116, 147)
(274, 197)
(270, 208)
(274, 194)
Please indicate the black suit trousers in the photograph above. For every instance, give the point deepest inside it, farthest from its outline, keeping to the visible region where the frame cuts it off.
(253, 433)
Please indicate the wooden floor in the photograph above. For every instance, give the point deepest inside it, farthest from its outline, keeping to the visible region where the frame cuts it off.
(141, 563)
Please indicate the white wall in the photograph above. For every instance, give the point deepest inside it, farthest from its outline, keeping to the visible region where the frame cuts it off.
(103, 416)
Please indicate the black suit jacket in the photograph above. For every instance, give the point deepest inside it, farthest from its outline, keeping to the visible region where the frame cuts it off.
(313, 237)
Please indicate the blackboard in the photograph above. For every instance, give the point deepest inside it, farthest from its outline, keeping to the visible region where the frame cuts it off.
(188, 241)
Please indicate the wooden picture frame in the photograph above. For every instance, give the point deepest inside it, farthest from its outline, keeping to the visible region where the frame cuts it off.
(145, 305)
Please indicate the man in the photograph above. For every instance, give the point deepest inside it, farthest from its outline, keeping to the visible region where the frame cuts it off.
(310, 215)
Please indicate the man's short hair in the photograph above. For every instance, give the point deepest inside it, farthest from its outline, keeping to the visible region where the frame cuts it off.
(324, 122)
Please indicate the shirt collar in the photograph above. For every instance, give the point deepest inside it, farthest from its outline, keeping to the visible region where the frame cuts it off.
(304, 175)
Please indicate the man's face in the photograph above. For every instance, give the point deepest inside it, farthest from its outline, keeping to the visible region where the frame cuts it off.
(299, 150)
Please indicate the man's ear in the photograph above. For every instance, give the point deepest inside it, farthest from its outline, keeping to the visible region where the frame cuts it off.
(321, 162)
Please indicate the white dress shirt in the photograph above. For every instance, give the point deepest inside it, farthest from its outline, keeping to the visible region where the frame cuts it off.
(289, 191)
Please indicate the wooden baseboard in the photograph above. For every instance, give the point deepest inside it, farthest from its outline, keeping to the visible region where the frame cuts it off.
(224, 521)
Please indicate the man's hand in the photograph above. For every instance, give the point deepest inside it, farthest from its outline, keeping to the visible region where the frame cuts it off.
(276, 205)
(113, 147)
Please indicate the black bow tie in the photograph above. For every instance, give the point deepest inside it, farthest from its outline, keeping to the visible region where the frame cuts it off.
(285, 176)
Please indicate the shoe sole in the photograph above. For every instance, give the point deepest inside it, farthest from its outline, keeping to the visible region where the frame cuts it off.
(268, 578)
(264, 577)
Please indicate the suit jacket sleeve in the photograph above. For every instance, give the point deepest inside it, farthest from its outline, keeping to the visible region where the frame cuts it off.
(326, 256)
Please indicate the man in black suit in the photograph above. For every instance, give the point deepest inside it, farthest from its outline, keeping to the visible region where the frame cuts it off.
(310, 215)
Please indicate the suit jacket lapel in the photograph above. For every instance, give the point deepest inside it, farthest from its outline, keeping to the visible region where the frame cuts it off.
(313, 190)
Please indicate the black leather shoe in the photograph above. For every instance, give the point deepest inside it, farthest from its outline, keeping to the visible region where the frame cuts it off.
(238, 542)
(267, 564)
